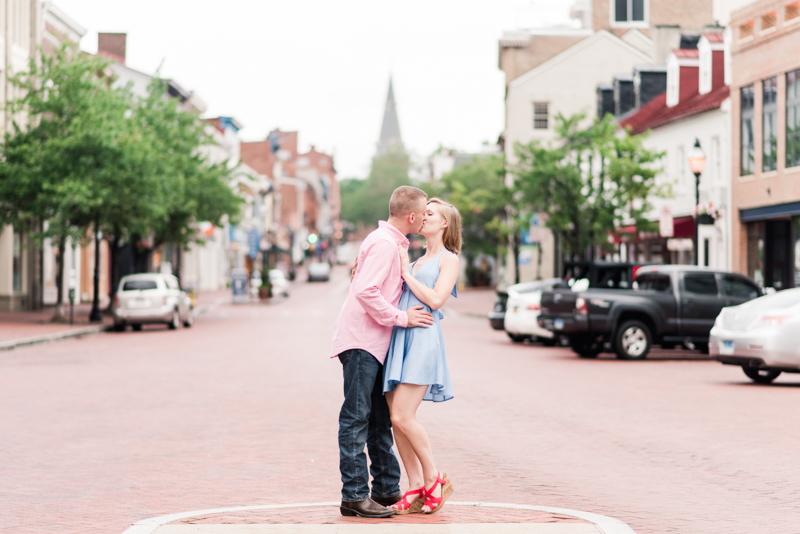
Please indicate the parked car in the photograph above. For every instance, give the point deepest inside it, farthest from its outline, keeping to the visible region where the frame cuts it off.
(670, 305)
(498, 314)
(522, 311)
(762, 336)
(319, 272)
(280, 286)
(151, 298)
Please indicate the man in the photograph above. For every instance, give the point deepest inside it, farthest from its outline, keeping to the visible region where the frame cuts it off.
(361, 340)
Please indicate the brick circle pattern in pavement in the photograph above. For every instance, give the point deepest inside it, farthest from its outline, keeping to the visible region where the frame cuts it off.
(241, 409)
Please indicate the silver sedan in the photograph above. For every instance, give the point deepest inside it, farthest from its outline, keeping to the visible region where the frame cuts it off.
(151, 298)
(762, 336)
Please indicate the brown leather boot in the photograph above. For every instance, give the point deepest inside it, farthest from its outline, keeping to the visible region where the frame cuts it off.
(365, 508)
(388, 501)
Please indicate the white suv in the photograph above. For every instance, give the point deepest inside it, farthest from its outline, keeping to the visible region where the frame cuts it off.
(151, 298)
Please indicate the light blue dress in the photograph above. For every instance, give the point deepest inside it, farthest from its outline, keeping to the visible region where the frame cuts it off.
(416, 355)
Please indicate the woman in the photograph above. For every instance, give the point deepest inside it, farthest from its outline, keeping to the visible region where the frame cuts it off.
(416, 366)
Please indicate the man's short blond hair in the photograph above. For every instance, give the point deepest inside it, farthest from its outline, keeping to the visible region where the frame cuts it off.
(405, 199)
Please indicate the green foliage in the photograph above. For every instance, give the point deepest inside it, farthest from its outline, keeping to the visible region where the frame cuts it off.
(367, 201)
(82, 152)
(594, 180)
(477, 190)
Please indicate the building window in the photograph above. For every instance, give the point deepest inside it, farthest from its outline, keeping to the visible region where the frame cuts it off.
(755, 252)
(768, 22)
(626, 11)
(16, 262)
(540, 115)
(769, 124)
(748, 163)
(746, 31)
(793, 118)
(792, 12)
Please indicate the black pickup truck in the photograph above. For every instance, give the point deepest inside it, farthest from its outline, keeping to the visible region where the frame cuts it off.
(669, 305)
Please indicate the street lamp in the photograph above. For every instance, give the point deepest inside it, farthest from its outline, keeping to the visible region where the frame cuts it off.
(697, 162)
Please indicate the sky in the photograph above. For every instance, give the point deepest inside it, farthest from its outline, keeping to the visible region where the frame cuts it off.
(322, 67)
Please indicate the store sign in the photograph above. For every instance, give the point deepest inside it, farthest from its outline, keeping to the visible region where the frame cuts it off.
(666, 225)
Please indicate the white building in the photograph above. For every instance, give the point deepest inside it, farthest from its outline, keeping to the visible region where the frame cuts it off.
(563, 84)
(695, 106)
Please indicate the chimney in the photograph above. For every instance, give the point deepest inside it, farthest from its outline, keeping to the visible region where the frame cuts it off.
(112, 45)
(683, 67)
(712, 62)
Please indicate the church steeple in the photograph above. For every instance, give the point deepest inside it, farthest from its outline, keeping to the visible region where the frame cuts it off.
(390, 129)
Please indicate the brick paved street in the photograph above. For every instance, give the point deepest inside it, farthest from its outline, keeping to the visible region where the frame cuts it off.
(241, 409)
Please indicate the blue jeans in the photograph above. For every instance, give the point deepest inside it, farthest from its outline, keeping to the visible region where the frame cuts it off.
(364, 419)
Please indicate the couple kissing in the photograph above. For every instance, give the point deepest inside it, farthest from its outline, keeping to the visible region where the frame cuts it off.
(388, 339)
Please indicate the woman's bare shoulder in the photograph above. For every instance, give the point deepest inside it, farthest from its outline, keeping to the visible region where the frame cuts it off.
(448, 259)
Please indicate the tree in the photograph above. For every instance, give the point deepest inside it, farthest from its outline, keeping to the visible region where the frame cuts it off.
(477, 189)
(367, 201)
(69, 137)
(593, 181)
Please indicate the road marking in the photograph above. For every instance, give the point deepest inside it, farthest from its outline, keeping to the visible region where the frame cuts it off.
(607, 525)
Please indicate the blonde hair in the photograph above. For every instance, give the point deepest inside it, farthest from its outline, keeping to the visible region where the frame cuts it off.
(404, 200)
(452, 233)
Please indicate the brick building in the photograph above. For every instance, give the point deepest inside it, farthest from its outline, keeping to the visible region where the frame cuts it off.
(765, 97)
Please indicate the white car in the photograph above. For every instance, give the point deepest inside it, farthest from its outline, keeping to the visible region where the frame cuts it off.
(319, 271)
(521, 320)
(151, 298)
(280, 286)
(762, 336)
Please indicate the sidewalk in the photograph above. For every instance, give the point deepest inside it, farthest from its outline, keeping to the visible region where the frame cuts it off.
(19, 328)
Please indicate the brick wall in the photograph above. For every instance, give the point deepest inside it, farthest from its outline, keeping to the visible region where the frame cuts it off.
(685, 13)
(754, 59)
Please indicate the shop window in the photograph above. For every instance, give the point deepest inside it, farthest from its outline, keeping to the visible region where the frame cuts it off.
(16, 263)
(793, 118)
(748, 162)
(769, 124)
(755, 252)
(540, 115)
(796, 237)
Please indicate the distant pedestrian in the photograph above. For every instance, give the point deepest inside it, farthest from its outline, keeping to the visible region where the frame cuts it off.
(361, 340)
(416, 366)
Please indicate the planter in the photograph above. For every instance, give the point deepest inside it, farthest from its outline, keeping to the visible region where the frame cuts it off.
(264, 293)
(705, 218)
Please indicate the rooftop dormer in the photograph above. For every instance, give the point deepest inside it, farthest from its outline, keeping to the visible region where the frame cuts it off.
(683, 67)
(711, 48)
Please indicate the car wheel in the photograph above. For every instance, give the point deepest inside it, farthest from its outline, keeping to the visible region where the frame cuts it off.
(176, 320)
(549, 341)
(633, 341)
(702, 347)
(586, 348)
(119, 327)
(137, 327)
(189, 319)
(517, 338)
(760, 376)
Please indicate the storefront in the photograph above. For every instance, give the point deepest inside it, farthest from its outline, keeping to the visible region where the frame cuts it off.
(773, 244)
(646, 247)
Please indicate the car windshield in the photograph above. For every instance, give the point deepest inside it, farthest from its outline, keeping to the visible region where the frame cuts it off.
(133, 285)
(782, 299)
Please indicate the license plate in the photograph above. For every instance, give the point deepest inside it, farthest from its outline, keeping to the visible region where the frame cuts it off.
(726, 348)
(558, 324)
(140, 303)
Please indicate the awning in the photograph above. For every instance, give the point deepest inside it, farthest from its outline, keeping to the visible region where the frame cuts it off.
(682, 227)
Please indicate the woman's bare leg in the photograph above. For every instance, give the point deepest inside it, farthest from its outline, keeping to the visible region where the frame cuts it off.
(403, 409)
(410, 461)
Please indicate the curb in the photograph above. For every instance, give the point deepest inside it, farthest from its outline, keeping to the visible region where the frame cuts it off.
(607, 525)
(88, 330)
(55, 336)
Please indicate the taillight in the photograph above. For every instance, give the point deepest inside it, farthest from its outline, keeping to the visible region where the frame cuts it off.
(164, 301)
(772, 320)
(534, 306)
(116, 301)
(580, 306)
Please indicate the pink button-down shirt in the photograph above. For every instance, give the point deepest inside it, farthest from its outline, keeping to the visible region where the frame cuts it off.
(370, 311)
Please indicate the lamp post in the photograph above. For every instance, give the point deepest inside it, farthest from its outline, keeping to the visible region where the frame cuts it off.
(697, 162)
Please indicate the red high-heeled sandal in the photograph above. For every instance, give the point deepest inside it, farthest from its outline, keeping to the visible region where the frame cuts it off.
(405, 507)
(435, 504)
